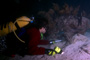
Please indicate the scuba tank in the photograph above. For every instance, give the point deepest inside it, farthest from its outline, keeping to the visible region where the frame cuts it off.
(12, 27)
(21, 22)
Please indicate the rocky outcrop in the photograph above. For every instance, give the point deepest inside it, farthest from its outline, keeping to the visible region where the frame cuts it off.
(66, 27)
(72, 27)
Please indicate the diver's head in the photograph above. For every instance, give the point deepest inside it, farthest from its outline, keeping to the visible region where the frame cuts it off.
(41, 22)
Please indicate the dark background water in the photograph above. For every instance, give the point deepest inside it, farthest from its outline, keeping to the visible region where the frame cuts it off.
(11, 9)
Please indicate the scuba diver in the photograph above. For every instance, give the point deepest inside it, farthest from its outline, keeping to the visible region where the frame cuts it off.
(32, 37)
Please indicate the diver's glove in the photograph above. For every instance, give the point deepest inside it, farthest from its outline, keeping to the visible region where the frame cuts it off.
(50, 52)
(58, 50)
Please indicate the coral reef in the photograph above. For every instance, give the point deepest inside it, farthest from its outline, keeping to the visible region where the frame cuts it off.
(65, 22)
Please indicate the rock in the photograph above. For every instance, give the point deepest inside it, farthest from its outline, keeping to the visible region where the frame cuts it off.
(78, 37)
(77, 50)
